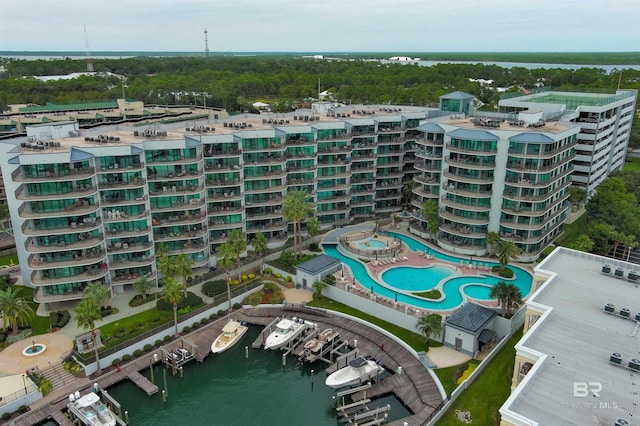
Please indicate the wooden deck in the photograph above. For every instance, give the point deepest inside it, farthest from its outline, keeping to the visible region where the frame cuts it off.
(414, 387)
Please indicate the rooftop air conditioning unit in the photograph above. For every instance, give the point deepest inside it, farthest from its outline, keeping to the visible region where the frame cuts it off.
(609, 308)
(638, 317)
(634, 364)
(619, 273)
(625, 313)
(615, 358)
(606, 269)
(621, 422)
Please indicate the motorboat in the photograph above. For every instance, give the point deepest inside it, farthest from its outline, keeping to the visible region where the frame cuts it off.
(357, 371)
(231, 334)
(314, 346)
(286, 330)
(183, 353)
(90, 410)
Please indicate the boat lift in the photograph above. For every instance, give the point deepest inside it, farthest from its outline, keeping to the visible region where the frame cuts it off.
(359, 413)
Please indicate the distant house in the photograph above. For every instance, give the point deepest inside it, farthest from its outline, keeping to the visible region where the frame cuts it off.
(469, 328)
(316, 269)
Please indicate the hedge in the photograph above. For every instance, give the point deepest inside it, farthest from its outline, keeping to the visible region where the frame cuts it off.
(191, 300)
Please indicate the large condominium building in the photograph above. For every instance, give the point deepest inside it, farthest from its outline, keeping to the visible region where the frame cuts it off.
(95, 205)
(577, 363)
(605, 127)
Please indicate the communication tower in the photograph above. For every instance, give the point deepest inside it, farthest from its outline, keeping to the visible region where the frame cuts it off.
(86, 45)
(206, 44)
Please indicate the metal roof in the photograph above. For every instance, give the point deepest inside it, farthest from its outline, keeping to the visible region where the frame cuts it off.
(457, 95)
(471, 317)
(532, 138)
(70, 107)
(476, 135)
(431, 127)
(318, 264)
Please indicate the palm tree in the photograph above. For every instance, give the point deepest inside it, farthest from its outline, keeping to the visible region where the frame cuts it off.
(318, 288)
(182, 266)
(14, 309)
(407, 192)
(97, 292)
(507, 250)
(430, 213)
(87, 313)
(429, 325)
(296, 208)
(260, 243)
(166, 265)
(226, 260)
(313, 228)
(238, 243)
(172, 293)
(500, 292)
(142, 286)
(492, 240)
(513, 298)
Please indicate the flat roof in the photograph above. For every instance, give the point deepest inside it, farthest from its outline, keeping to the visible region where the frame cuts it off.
(575, 339)
(551, 127)
(318, 264)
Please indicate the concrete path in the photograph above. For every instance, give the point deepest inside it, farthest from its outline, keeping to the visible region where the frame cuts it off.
(446, 357)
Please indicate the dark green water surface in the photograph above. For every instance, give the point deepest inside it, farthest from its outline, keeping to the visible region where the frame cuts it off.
(229, 389)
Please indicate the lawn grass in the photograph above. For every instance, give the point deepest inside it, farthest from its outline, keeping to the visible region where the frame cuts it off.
(489, 391)
(11, 259)
(632, 164)
(447, 375)
(431, 294)
(126, 328)
(415, 340)
(39, 325)
(572, 231)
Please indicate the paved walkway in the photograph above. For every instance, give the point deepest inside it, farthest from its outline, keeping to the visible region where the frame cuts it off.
(12, 361)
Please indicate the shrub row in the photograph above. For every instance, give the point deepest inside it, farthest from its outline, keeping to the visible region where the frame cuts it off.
(192, 300)
(59, 319)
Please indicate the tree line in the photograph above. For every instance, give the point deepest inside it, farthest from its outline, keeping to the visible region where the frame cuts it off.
(234, 83)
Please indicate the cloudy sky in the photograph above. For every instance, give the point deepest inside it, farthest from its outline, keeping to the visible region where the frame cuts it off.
(321, 25)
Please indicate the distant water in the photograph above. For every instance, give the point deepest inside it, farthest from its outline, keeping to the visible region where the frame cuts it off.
(125, 55)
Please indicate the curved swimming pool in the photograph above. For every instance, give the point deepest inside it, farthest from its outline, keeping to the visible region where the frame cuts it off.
(476, 287)
(411, 278)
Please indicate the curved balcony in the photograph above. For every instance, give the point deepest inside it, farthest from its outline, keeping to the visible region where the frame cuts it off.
(520, 168)
(118, 216)
(334, 199)
(124, 247)
(125, 279)
(335, 210)
(470, 207)
(263, 216)
(72, 210)
(176, 177)
(272, 227)
(543, 155)
(128, 263)
(181, 205)
(472, 165)
(74, 174)
(89, 225)
(72, 194)
(512, 224)
(359, 202)
(452, 189)
(184, 160)
(275, 201)
(214, 224)
(462, 219)
(425, 193)
(421, 140)
(109, 202)
(515, 197)
(190, 248)
(454, 148)
(423, 166)
(225, 153)
(40, 297)
(37, 262)
(469, 178)
(461, 231)
(126, 184)
(130, 168)
(90, 274)
(273, 188)
(62, 245)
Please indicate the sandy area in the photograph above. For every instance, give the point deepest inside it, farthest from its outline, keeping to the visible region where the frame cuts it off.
(12, 361)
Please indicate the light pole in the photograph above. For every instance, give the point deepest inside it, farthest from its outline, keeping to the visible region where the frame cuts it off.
(24, 383)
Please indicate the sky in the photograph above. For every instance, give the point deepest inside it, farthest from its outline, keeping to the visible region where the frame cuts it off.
(319, 26)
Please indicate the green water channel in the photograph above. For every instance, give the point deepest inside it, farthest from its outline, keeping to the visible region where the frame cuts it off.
(230, 389)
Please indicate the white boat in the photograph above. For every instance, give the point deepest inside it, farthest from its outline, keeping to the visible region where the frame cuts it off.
(357, 371)
(231, 334)
(286, 330)
(90, 410)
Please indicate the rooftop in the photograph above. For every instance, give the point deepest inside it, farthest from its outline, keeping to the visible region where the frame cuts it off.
(471, 317)
(552, 127)
(318, 264)
(573, 341)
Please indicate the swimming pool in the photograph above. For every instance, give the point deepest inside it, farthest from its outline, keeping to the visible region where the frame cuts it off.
(453, 289)
(414, 279)
(372, 245)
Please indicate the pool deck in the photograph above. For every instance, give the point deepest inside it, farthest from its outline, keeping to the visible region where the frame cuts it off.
(414, 259)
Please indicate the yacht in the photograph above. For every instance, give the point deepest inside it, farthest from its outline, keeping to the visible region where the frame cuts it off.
(286, 330)
(90, 410)
(231, 334)
(357, 371)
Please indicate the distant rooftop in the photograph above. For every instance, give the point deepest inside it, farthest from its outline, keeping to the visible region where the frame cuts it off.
(569, 99)
(50, 106)
(573, 341)
(318, 264)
